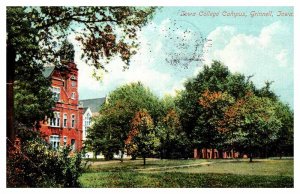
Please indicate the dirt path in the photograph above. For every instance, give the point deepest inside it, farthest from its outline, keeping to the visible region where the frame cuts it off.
(116, 161)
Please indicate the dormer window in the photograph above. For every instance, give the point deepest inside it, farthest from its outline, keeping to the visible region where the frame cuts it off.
(73, 77)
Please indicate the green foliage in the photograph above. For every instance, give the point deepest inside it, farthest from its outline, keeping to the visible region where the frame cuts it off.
(253, 123)
(35, 164)
(222, 110)
(213, 78)
(209, 129)
(284, 144)
(173, 140)
(112, 127)
(104, 137)
(33, 98)
(143, 135)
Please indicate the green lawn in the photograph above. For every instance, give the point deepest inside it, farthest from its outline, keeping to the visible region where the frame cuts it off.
(190, 173)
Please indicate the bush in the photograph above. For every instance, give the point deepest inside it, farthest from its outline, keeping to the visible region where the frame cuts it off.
(36, 164)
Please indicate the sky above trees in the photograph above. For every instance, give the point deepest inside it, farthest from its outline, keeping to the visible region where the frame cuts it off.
(259, 46)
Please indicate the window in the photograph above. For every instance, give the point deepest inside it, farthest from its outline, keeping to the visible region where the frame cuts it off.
(73, 121)
(55, 121)
(87, 123)
(73, 95)
(65, 120)
(73, 146)
(87, 120)
(54, 141)
(73, 83)
(56, 93)
(65, 141)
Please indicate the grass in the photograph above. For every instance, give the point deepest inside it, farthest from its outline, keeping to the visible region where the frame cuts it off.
(201, 173)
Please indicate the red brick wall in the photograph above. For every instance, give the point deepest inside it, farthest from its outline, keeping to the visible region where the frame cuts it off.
(63, 79)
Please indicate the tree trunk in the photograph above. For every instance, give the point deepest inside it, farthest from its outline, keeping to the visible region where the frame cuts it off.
(251, 160)
(205, 153)
(122, 155)
(144, 158)
(220, 153)
(10, 68)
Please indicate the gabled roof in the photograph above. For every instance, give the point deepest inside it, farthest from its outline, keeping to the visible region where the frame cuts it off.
(93, 104)
(48, 70)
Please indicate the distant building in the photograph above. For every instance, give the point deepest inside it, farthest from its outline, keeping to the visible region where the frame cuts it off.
(91, 109)
(214, 154)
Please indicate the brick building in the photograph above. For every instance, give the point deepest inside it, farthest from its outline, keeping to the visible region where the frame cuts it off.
(214, 153)
(65, 128)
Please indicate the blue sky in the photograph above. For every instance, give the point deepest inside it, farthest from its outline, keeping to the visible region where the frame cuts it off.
(261, 46)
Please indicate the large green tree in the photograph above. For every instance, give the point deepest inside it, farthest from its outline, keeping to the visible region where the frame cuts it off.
(252, 123)
(213, 78)
(104, 137)
(34, 35)
(119, 110)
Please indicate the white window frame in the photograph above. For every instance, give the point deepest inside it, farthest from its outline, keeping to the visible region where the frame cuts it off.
(54, 140)
(73, 83)
(55, 120)
(65, 120)
(73, 120)
(56, 93)
(73, 95)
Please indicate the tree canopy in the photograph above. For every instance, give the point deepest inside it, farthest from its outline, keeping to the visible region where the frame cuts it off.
(119, 110)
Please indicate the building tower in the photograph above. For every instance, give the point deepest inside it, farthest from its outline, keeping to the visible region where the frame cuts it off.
(65, 127)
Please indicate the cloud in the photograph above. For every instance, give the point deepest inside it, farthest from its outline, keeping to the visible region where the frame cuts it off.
(267, 56)
(148, 66)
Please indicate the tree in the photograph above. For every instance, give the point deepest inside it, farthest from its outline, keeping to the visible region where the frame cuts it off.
(284, 143)
(209, 129)
(173, 140)
(213, 78)
(104, 137)
(121, 107)
(32, 97)
(252, 123)
(142, 138)
(36, 164)
(34, 35)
